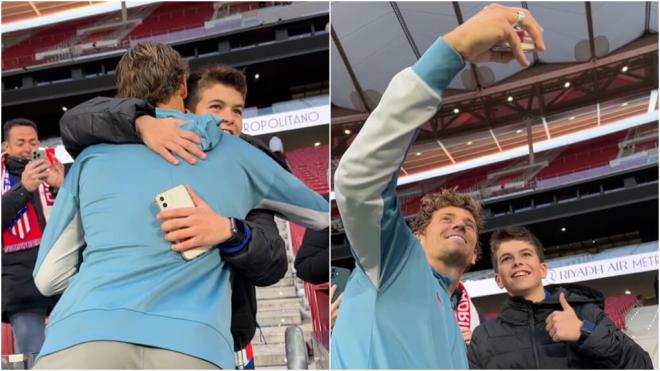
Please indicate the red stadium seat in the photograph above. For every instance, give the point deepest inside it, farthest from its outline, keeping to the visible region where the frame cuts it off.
(583, 156)
(47, 38)
(7, 339)
(173, 16)
(311, 166)
(616, 308)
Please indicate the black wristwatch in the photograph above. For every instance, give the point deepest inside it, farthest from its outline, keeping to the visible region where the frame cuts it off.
(586, 329)
(237, 232)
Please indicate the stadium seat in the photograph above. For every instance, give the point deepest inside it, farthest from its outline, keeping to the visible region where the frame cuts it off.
(616, 308)
(582, 156)
(311, 166)
(173, 16)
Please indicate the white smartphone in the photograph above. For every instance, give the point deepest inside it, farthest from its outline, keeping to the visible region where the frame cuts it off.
(177, 198)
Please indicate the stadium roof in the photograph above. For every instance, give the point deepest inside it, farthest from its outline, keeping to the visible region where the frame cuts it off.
(20, 15)
(596, 52)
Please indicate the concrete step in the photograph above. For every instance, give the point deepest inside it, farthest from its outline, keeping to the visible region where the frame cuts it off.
(278, 367)
(275, 334)
(270, 355)
(285, 281)
(275, 304)
(279, 317)
(276, 292)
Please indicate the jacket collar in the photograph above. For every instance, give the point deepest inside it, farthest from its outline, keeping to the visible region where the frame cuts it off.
(15, 165)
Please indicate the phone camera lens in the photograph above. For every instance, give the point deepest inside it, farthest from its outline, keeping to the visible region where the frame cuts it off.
(164, 204)
(162, 198)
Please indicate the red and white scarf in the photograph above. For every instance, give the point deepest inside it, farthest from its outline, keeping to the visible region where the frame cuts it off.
(466, 313)
(24, 232)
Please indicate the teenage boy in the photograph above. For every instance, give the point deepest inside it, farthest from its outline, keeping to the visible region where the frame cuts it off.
(554, 327)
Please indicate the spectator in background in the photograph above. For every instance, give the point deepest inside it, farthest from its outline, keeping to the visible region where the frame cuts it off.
(172, 313)
(218, 90)
(277, 148)
(554, 327)
(313, 258)
(28, 194)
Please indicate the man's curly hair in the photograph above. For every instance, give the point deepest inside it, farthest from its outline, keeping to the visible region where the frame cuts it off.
(447, 197)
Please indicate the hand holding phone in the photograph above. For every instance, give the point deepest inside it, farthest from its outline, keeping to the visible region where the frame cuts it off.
(339, 276)
(44, 153)
(175, 198)
(526, 43)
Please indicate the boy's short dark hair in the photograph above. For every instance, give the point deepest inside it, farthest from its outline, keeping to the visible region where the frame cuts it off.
(210, 75)
(152, 72)
(510, 234)
(6, 128)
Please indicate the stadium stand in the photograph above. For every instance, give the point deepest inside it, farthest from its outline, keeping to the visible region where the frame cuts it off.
(642, 326)
(107, 32)
(616, 308)
(173, 16)
(311, 166)
(581, 156)
(573, 161)
(48, 38)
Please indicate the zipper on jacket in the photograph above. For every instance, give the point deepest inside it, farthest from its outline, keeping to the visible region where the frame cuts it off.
(531, 333)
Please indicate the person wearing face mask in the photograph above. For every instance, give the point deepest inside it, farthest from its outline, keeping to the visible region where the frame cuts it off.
(554, 327)
(219, 90)
(28, 194)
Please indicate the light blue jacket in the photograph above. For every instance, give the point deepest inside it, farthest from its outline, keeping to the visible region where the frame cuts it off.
(396, 312)
(128, 285)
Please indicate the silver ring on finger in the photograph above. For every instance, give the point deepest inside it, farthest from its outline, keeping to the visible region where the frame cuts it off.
(520, 21)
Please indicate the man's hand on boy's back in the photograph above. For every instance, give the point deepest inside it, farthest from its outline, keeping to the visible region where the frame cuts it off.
(164, 137)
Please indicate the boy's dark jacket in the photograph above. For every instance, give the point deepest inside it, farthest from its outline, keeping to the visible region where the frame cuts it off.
(517, 339)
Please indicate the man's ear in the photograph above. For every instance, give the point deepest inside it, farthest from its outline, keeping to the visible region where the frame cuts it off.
(183, 88)
(5, 145)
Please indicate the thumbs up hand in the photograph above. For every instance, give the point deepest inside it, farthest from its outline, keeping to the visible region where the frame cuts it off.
(563, 325)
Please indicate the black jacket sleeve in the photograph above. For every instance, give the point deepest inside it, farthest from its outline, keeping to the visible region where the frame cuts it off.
(263, 262)
(102, 120)
(608, 346)
(475, 345)
(12, 202)
(312, 259)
